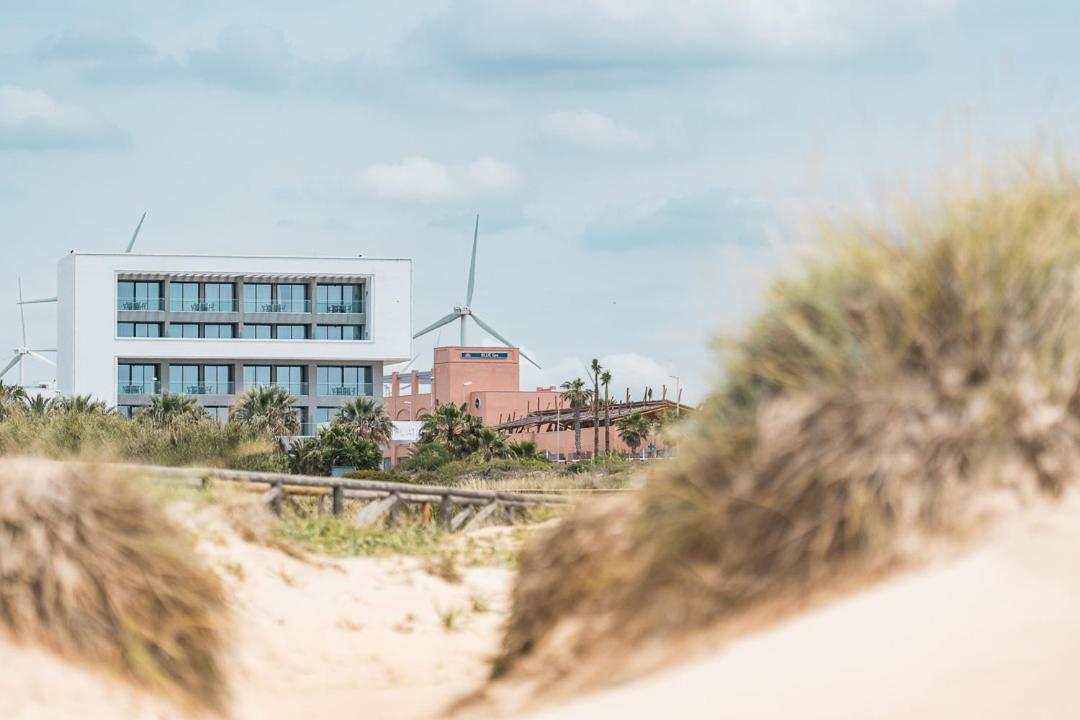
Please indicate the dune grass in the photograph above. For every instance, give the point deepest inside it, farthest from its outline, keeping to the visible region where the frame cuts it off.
(911, 370)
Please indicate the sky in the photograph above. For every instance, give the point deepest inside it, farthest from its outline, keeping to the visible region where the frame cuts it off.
(640, 167)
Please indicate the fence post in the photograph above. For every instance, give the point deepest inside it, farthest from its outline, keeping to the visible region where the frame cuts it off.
(338, 504)
(444, 511)
(274, 497)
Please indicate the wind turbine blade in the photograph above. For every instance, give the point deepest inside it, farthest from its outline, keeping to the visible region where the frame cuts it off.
(43, 349)
(14, 361)
(136, 233)
(503, 340)
(22, 314)
(438, 323)
(409, 364)
(39, 300)
(42, 358)
(588, 372)
(472, 264)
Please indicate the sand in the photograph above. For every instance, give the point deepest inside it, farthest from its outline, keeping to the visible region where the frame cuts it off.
(993, 634)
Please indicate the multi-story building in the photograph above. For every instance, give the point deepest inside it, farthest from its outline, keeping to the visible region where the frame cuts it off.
(133, 326)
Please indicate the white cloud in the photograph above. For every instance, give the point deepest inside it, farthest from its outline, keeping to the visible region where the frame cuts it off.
(33, 120)
(590, 129)
(418, 178)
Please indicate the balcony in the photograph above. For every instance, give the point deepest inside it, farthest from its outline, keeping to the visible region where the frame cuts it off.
(146, 387)
(296, 389)
(311, 429)
(145, 304)
(207, 306)
(355, 306)
(278, 306)
(206, 387)
(345, 389)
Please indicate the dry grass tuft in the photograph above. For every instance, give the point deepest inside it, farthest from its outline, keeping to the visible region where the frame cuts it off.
(911, 377)
(92, 569)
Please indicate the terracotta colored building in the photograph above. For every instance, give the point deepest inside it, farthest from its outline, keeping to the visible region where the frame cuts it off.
(487, 379)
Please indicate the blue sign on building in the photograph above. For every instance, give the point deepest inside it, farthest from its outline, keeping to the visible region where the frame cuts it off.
(485, 355)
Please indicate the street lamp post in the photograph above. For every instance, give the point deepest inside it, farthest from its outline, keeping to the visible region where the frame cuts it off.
(678, 395)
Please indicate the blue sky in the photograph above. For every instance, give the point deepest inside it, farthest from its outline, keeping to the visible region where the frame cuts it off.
(637, 165)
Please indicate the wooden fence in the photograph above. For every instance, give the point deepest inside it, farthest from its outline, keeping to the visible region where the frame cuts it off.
(459, 508)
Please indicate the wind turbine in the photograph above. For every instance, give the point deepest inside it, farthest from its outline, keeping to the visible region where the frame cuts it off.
(464, 312)
(23, 351)
(130, 245)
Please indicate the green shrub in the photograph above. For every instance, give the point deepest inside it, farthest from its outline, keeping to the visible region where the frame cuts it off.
(427, 456)
(380, 475)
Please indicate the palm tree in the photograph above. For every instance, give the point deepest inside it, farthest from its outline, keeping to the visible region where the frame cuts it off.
(340, 447)
(605, 380)
(490, 444)
(453, 426)
(575, 392)
(80, 405)
(268, 409)
(39, 405)
(168, 410)
(595, 368)
(525, 449)
(12, 400)
(366, 420)
(633, 429)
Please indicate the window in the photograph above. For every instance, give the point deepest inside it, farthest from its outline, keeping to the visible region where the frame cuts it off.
(256, 376)
(137, 379)
(291, 377)
(127, 411)
(325, 415)
(291, 332)
(127, 329)
(257, 332)
(184, 379)
(258, 297)
(216, 330)
(339, 298)
(184, 330)
(292, 297)
(339, 332)
(219, 413)
(333, 380)
(218, 379)
(184, 297)
(219, 297)
(138, 295)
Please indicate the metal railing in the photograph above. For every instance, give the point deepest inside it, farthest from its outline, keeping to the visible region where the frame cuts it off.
(146, 304)
(277, 306)
(205, 387)
(293, 388)
(344, 389)
(146, 387)
(354, 306)
(185, 305)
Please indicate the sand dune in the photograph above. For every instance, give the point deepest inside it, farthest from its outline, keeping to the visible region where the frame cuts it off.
(992, 634)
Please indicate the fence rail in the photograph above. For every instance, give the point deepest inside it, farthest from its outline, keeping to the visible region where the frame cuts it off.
(459, 508)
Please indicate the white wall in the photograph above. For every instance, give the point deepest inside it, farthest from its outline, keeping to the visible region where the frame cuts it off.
(87, 346)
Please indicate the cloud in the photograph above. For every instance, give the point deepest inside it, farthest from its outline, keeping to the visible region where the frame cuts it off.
(248, 57)
(418, 178)
(590, 129)
(94, 41)
(33, 120)
(694, 220)
(635, 38)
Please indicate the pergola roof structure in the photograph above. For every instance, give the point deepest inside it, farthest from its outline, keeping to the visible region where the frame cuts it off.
(563, 419)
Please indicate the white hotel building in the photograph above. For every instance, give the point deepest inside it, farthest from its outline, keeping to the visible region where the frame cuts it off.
(132, 326)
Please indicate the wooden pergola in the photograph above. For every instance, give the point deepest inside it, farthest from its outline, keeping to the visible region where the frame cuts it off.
(553, 419)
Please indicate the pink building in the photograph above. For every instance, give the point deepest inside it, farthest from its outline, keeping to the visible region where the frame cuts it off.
(488, 380)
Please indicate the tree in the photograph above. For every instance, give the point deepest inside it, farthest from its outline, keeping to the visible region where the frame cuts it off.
(595, 368)
(334, 446)
(366, 420)
(634, 429)
(490, 444)
(453, 426)
(39, 405)
(268, 410)
(80, 405)
(12, 400)
(169, 410)
(605, 380)
(524, 449)
(575, 392)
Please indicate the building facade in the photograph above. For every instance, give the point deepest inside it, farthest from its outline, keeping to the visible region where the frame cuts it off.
(132, 326)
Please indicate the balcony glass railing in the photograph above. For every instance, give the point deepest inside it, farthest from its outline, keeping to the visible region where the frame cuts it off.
(205, 387)
(277, 306)
(293, 388)
(147, 304)
(311, 429)
(146, 387)
(184, 305)
(355, 306)
(345, 389)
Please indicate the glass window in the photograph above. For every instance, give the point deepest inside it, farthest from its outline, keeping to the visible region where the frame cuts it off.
(137, 379)
(291, 332)
(325, 415)
(127, 411)
(291, 377)
(257, 332)
(216, 330)
(218, 379)
(333, 380)
(138, 295)
(256, 375)
(127, 329)
(339, 332)
(218, 412)
(292, 297)
(184, 330)
(339, 298)
(258, 297)
(219, 297)
(184, 296)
